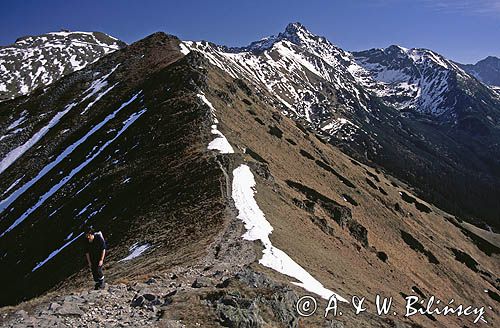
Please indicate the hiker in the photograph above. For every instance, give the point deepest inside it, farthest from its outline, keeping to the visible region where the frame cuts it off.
(95, 250)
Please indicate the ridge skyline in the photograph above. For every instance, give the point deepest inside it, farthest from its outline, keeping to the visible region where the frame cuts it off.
(463, 36)
(291, 27)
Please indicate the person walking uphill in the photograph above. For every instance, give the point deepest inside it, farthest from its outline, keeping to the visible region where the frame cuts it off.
(95, 250)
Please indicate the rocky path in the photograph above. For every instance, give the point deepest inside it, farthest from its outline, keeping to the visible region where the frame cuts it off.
(136, 304)
(246, 299)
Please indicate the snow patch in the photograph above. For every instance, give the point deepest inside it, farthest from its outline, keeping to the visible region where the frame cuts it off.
(17, 122)
(17, 152)
(184, 49)
(258, 228)
(54, 253)
(12, 185)
(97, 86)
(73, 172)
(136, 250)
(341, 128)
(220, 143)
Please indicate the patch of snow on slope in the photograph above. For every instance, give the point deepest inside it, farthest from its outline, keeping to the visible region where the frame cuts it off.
(285, 50)
(17, 122)
(77, 64)
(15, 153)
(136, 250)
(97, 86)
(54, 253)
(209, 104)
(73, 172)
(342, 128)
(220, 143)
(258, 228)
(12, 185)
(4, 203)
(184, 49)
(99, 96)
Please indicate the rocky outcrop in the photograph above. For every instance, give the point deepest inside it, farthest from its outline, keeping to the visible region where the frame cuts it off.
(251, 299)
(340, 214)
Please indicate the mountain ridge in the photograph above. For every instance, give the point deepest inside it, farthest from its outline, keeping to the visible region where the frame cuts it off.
(321, 84)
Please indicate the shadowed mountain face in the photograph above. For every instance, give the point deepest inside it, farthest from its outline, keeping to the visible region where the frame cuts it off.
(486, 70)
(37, 61)
(215, 170)
(115, 145)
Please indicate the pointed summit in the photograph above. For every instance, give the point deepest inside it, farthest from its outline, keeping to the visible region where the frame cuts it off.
(294, 28)
(297, 33)
(294, 32)
(396, 48)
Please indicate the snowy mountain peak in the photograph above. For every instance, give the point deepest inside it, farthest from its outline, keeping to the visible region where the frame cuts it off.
(297, 33)
(295, 27)
(294, 32)
(418, 79)
(34, 61)
(98, 38)
(293, 66)
(397, 55)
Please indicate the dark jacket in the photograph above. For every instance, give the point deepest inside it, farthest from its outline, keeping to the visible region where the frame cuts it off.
(95, 248)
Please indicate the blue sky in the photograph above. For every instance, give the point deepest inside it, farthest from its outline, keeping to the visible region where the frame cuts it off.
(463, 30)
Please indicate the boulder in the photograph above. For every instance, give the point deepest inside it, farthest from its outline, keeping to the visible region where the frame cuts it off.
(201, 282)
(137, 301)
(69, 309)
(54, 306)
(149, 297)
